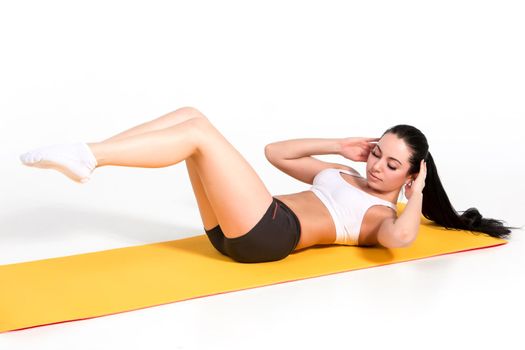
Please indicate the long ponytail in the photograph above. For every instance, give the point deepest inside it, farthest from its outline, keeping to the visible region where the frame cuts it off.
(436, 204)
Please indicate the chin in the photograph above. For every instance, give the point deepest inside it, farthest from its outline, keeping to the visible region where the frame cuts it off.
(371, 183)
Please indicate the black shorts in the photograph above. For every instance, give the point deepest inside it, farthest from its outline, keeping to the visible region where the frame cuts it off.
(274, 237)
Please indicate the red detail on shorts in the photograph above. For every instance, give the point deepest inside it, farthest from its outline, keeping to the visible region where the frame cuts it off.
(274, 211)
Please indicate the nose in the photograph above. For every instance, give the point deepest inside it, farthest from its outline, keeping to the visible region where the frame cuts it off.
(376, 168)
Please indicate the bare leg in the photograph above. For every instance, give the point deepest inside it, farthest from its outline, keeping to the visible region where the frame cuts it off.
(209, 219)
(153, 149)
(165, 121)
(234, 190)
(236, 193)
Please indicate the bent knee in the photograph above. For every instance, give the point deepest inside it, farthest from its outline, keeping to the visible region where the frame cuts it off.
(194, 112)
(201, 122)
(201, 128)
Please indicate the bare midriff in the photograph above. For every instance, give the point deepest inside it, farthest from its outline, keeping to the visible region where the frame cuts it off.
(317, 226)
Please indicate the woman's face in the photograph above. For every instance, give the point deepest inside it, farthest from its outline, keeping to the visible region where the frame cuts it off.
(388, 162)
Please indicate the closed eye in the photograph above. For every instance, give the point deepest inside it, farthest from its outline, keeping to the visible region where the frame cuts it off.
(375, 155)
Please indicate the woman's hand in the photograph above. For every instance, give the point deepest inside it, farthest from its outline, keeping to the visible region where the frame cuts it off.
(357, 148)
(418, 184)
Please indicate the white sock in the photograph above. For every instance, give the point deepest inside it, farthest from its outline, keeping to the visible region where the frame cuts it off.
(75, 160)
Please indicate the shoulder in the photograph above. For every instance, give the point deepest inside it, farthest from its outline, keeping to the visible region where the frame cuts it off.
(345, 167)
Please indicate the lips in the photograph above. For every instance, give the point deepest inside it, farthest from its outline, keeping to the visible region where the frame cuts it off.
(374, 177)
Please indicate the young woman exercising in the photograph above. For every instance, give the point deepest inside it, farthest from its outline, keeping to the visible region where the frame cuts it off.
(245, 222)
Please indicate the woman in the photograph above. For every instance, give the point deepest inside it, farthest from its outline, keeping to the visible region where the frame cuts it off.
(245, 222)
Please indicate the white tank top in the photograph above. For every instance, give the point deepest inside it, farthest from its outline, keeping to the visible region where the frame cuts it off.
(346, 203)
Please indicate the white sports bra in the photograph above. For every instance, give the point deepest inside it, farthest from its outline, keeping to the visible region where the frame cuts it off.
(346, 203)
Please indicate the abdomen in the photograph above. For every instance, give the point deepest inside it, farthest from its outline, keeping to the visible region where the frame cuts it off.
(317, 226)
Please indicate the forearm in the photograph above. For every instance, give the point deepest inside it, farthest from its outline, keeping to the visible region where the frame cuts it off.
(407, 224)
(297, 148)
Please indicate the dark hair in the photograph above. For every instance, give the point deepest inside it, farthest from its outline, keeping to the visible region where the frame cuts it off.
(436, 205)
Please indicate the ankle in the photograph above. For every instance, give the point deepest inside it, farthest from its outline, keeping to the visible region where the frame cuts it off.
(97, 150)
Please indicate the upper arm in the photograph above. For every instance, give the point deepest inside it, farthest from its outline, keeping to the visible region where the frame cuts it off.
(387, 234)
(303, 169)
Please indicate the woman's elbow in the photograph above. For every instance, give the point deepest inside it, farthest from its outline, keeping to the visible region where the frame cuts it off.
(268, 151)
(395, 240)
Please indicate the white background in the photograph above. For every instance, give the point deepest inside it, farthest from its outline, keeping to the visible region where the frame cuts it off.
(266, 71)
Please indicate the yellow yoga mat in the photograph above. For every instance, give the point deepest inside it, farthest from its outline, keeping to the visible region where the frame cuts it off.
(96, 284)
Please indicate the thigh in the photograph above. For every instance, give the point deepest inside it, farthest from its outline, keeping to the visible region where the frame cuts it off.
(209, 219)
(235, 191)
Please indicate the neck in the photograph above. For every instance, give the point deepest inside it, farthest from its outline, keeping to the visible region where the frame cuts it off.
(391, 196)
